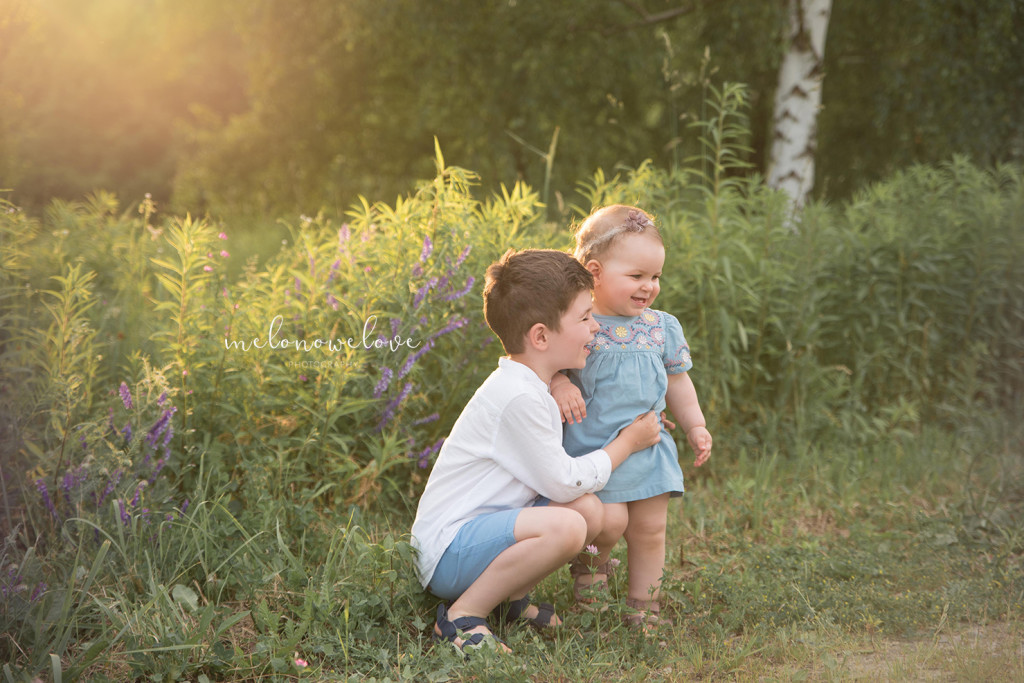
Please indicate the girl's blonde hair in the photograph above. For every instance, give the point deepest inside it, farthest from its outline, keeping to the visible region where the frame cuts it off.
(605, 225)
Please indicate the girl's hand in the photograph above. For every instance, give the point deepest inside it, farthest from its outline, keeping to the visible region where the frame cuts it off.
(700, 441)
(569, 399)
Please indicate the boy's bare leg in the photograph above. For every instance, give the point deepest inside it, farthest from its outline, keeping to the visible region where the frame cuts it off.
(546, 538)
(615, 518)
(645, 546)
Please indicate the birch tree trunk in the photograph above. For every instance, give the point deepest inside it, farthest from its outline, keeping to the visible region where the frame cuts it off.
(797, 101)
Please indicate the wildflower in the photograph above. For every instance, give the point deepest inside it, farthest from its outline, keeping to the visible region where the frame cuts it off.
(224, 253)
(592, 549)
(184, 506)
(331, 301)
(160, 427)
(223, 235)
(301, 663)
(343, 234)
(163, 397)
(389, 411)
(126, 396)
(137, 496)
(111, 483)
(125, 519)
(45, 495)
(428, 248)
(417, 270)
(423, 458)
(462, 256)
(385, 381)
(208, 269)
(433, 417)
(462, 292)
(127, 432)
(37, 592)
(411, 361)
(303, 378)
(422, 292)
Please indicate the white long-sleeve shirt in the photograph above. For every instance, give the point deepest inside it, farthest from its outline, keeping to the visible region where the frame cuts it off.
(504, 450)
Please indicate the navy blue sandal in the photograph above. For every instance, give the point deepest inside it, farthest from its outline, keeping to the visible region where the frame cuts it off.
(513, 611)
(450, 630)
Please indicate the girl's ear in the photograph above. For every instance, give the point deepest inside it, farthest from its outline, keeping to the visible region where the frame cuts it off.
(594, 266)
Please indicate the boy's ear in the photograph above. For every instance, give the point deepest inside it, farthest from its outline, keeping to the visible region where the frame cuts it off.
(537, 337)
(594, 266)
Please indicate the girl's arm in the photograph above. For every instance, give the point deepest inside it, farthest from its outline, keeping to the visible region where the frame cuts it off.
(681, 399)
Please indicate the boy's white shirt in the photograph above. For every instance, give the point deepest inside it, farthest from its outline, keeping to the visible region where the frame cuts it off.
(504, 450)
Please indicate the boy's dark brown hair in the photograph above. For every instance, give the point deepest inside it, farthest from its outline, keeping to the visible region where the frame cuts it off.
(529, 287)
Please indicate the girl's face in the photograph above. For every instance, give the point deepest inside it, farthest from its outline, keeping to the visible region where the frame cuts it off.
(627, 278)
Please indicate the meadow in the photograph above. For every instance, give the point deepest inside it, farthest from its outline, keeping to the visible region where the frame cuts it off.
(214, 438)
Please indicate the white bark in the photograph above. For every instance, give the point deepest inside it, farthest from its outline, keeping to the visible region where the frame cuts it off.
(797, 101)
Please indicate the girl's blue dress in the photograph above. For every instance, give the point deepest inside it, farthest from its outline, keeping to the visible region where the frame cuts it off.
(627, 375)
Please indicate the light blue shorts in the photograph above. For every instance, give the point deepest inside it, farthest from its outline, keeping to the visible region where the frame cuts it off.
(474, 547)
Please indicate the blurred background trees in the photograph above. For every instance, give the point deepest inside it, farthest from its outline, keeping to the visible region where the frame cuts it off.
(272, 107)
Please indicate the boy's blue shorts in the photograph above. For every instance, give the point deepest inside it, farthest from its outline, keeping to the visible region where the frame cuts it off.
(478, 542)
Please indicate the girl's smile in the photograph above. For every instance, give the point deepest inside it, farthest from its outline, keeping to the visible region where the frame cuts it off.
(627, 279)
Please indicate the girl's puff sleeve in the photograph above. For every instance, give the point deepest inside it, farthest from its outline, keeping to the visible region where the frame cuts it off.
(676, 354)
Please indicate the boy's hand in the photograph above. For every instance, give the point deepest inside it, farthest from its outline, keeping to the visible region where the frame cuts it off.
(644, 432)
(669, 424)
(569, 399)
(700, 441)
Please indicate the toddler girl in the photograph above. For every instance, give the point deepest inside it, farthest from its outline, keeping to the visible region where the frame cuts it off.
(638, 362)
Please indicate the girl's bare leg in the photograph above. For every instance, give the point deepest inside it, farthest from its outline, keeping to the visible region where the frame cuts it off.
(645, 543)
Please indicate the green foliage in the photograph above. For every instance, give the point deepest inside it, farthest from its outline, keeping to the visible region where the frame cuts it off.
(213, 467)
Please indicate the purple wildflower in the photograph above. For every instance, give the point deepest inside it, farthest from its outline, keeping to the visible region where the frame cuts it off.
(224, 253)
(433, 417)
(160, 427)
(423, 457)
(126, 396)
(423, 291)
(384, 383)
(343, 234)
(110, 420)
(124, 512)
(163, 397)
(44, 493)
(389, 411)
(137, 496)
(303, 378)
(395, 325)
(111, 483)
(334, 270)
(462, 292)
(223, 235)
(411, 361)
(462, 256)
(40, 587)
(331, 301)
(184, 506)
(417, 270)
(428, 248)
(159, 466)
(127, 432)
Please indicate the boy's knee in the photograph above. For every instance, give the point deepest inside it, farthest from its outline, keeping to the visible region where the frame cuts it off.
(591, 509)
(571, 529)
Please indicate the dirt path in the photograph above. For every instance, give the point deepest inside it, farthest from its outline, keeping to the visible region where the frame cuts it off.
(993, 652)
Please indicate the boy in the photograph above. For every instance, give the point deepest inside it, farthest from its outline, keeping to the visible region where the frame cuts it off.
(482, 533)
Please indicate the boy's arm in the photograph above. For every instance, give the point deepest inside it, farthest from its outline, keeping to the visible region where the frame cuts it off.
(569, 399)
(681, 399)
(529, 446)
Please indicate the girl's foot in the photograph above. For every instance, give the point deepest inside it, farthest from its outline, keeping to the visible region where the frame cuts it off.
(646, 613)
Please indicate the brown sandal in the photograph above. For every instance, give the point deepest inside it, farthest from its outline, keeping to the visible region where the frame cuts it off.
(648, 613)
(589, 594)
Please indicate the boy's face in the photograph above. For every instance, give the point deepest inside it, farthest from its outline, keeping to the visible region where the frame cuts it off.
(576, 329)
(628, 279)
